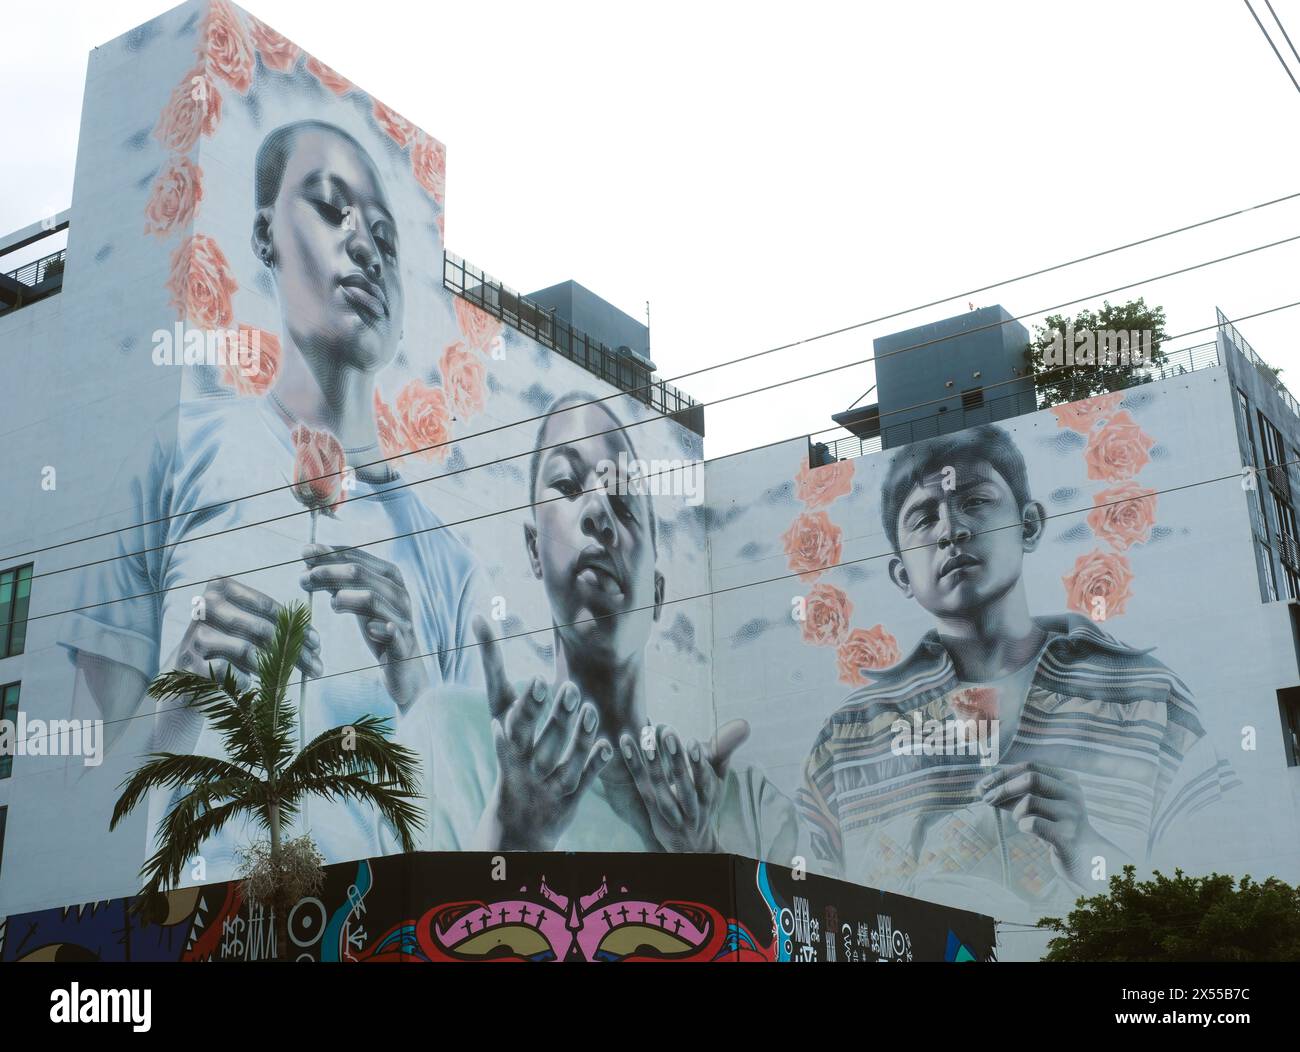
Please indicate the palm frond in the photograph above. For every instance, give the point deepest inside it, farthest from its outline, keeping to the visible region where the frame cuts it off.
(274, 718)
(356, 748)
(392, 803)
(222, 703)
(170, 771)
(182, 833)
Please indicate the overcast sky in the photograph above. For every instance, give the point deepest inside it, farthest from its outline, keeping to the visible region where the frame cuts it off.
(761, 172)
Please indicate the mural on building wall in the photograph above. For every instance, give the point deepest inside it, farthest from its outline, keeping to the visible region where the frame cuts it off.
(948, 690)
(330, 453)
(471, 907)
(989, 736)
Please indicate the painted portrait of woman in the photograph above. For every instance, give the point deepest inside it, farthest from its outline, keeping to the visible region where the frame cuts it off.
(391, 589)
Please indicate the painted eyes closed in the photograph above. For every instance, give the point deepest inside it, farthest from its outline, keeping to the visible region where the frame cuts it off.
(622, 508)
(567, 487)
(339, 217)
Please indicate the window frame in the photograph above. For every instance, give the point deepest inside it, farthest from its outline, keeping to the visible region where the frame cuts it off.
(7, 762)
(13, 621)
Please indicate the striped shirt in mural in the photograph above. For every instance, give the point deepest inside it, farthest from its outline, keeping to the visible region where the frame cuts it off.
(1113, 717)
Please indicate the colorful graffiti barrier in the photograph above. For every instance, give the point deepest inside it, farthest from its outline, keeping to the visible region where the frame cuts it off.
(477, 907)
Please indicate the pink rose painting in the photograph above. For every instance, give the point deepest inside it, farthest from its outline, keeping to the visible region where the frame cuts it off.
(1124, 515)
(194, 109)
(1103, 576)
(277, 52)
(463, 380)
(256, 364)
(1083, 416)
(424, 421)
(818, 487)
(1119, 450)
(328, 78)
(396, 127)
(868, 649)
(479, 328)
(201, 283)
(175, 196)
(429, 165)
(827, 611)
(392, 443)
(974, 703)
(318, 470)
(227, 47)
(813, 544)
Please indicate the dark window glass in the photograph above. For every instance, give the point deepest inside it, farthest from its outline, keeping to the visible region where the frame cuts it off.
(15, 597)
(1289, 702)
(8, 711)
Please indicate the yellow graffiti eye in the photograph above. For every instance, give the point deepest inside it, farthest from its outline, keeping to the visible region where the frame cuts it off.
(512, 938)
(638, 938)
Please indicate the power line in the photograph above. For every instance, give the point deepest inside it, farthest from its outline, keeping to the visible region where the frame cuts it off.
(706, 594)
(635, 423)
(719, 365)
(1271, 44)
(1285, 35)
(510, 510)
(503, 511)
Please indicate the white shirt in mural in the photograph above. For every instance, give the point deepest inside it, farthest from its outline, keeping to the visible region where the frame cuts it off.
(224, 449)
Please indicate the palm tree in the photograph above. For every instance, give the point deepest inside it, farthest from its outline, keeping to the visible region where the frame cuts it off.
(263, 777)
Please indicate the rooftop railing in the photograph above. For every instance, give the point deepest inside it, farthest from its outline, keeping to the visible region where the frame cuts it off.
(35, 272)
(1015, 403)
(41, 277)
(1248, 352)
(625, 371)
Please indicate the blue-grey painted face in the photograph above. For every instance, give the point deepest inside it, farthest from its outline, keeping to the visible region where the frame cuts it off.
(335, 248)
(593, 550)
(962, 539)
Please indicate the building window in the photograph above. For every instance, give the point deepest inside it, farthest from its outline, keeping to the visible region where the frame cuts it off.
(1266, 557)
(15, 594)
(1274, 457)
(9, 711)
(972, 399)
(1289, 702)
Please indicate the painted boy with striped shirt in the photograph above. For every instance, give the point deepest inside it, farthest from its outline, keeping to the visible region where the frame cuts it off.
(1101, 749)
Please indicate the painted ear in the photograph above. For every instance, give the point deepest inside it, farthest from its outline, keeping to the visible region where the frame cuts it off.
(1034, 520)
(530, 542)
(262, 247)
(898, 574)
(659, 593)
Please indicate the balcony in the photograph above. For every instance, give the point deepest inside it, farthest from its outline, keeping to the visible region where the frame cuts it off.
(626, 371)
(39, 278)
(1288, 549)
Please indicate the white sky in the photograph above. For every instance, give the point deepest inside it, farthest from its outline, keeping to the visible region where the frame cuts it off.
(761, 172)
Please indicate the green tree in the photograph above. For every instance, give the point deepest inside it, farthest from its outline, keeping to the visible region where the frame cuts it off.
(1059, 384)
(264, 776)
(1181, 918)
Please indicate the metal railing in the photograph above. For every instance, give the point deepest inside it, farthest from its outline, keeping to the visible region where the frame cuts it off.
(625, 372)
(1248, 352)
(32, 274)
(1176, 363)
(1288, 549)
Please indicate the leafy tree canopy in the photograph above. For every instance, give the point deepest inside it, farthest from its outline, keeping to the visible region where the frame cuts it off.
(1058, 384)
(1181, 918)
